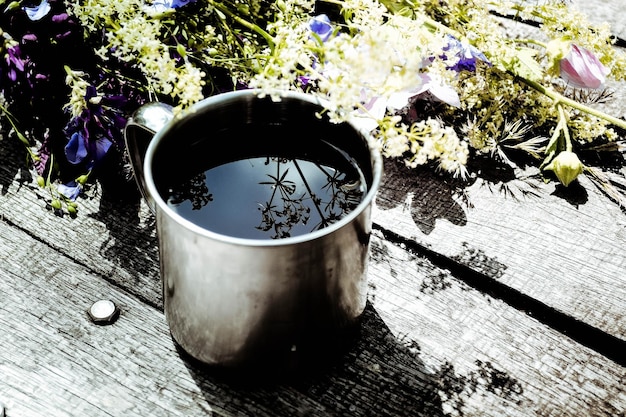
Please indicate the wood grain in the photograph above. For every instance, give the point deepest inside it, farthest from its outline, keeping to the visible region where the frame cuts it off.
(569, 256)
(430, 345)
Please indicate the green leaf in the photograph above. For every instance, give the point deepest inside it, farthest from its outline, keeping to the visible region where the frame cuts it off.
(526, 66)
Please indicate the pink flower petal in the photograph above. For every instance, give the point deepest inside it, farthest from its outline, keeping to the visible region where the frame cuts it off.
(582, 69)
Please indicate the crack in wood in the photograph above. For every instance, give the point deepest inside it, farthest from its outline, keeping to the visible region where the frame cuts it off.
(601, 342)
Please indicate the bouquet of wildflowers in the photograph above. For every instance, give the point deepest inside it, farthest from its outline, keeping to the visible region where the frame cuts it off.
(438, 83)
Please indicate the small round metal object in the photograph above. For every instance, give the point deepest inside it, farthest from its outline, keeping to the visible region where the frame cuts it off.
(103, 312)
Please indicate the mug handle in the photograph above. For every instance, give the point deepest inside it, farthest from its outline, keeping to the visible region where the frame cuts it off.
(139, 131)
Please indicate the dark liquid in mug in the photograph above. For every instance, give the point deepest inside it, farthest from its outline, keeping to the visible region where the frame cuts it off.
(290, 185)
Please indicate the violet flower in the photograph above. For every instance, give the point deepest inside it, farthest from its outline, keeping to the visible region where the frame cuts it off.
(71, 190)
(60, 18)
(161, 6)
(175, 4)
(91, 152)
(466, 54)
(321, 26)
(76, 148)
(439, 91)
(14, 62)
(582, 69)
(94, 132)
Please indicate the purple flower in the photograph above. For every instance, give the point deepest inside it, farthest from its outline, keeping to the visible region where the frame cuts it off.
(321, 26)
(175, 4)
(100, 148)
(79, 150)
(38, 12)
(439, 91)
(14, 61)
(29, 37)
(582, 69)
(94, 132)
(71, 190)
(60, 18)
(465, 53)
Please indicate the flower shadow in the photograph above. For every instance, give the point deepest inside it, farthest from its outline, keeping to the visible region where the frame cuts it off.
(13, 168)
(132, 241)
(432, 196)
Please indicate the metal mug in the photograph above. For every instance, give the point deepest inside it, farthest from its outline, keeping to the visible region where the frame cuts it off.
(233, 301)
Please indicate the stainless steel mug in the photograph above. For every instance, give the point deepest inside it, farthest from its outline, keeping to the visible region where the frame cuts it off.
(235, 301)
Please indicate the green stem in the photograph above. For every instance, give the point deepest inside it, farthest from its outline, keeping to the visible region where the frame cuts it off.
(49, 174)
(255, 28)
(13, 122)
(531, 41)
(564, 129)
(436, 26)
(430, 23)
(559, 98)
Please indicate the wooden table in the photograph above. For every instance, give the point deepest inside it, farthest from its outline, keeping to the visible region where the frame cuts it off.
(506, 297)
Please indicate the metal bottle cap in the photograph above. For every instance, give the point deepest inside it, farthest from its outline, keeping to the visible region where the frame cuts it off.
(103, 312)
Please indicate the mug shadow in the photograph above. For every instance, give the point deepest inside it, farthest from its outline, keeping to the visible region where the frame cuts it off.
(371, 374)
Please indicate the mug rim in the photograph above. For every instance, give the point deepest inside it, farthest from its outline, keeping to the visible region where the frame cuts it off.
(375, 159)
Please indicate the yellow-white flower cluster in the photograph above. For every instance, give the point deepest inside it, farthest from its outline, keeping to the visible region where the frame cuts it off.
(133, 35)
(425, 141)
(381, 49)
(385, 56)
(78, 89)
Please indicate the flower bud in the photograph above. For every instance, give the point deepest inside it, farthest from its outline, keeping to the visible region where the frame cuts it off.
(82, 179)
(566, 166)
(582, 69)
(556, 50)
(41, 181)
(56, 204)
(180, 49)
(12, 5)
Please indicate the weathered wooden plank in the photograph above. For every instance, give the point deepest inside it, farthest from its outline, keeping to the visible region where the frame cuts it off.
(482, 339)
(113, 235)
(567, 254)
(429, 345)
(121, 236)
(599, 12)
(603, 11)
